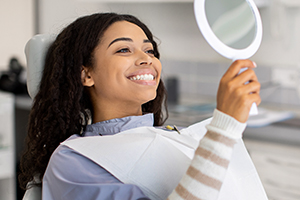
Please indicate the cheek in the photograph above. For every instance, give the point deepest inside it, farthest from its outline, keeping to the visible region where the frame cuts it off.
(157, 64)
(158, 67)
(111, 69)
(111, 75)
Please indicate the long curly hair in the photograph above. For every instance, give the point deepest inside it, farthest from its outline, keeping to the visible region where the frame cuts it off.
(62, 106)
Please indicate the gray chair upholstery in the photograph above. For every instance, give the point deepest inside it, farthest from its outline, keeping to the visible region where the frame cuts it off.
(33, 193)
(35, 50)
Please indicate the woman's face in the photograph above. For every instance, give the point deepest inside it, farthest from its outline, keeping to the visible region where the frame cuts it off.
(125, 70)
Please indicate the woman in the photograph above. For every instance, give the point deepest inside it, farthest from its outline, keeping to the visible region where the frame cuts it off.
(105, 68)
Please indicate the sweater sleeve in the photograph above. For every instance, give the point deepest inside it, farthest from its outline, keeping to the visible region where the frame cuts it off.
(205, 175)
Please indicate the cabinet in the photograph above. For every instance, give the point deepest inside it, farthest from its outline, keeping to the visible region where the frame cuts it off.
(7, 154)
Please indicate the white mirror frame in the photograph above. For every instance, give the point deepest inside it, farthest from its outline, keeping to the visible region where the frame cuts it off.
(218, 45)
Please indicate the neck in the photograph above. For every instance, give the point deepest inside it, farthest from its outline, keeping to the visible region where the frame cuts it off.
(112, 111)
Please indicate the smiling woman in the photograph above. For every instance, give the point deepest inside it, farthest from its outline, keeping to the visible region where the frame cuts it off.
(105, 68)
(124, 54)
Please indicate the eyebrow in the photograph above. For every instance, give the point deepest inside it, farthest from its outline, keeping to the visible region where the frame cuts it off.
(127, 39)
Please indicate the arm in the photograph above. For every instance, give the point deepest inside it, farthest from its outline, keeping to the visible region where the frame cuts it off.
(204, 177)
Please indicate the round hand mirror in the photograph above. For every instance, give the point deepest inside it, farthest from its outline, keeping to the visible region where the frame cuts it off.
(233, 28)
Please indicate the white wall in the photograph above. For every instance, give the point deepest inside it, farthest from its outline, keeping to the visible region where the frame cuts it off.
(172, 23)
(16, 22)
(175, 26)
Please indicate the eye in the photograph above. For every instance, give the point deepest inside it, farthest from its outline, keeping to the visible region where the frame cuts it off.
(151, 51)
(124, 50)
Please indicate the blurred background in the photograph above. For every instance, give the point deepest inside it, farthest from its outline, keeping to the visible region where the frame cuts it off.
(191, 71)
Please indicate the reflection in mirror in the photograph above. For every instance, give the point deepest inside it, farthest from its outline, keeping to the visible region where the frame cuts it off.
(232, 21)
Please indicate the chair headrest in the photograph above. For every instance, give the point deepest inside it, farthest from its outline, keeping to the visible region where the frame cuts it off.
(35, 51)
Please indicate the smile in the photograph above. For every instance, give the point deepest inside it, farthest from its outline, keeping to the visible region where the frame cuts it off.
(146, 77)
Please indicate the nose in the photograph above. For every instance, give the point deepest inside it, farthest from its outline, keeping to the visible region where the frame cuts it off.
(143, 59)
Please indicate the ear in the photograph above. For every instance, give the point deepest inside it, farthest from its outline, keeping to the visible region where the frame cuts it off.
(86, 78)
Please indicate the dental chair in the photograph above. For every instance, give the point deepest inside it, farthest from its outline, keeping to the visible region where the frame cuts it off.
(35, 50)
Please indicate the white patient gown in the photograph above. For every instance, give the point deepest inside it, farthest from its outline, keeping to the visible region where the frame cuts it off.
(74, 175)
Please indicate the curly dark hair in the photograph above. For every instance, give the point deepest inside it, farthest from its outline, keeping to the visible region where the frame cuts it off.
(62, 107)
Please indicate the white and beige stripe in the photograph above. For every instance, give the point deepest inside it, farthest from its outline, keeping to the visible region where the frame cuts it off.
(216, 173)
(207, 170)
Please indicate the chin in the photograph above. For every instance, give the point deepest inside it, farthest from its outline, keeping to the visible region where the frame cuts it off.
(150, 98)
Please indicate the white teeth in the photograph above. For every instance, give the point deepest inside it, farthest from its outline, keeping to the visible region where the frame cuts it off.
(147, 77)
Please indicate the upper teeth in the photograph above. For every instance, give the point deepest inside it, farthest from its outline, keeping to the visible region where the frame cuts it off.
(147, 77)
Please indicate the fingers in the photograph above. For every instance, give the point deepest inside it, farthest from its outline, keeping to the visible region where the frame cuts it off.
(250, 93)
(255, 98)
(245, 77)
(252, 87)
(237, 92)
(245, 82)
(236, 67)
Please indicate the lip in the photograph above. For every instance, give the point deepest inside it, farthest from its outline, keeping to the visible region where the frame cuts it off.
(144, 82)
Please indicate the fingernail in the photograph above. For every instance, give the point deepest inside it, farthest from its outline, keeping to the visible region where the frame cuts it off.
(254, 63)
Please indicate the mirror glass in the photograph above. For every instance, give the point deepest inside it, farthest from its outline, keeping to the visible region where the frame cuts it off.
(232, 21)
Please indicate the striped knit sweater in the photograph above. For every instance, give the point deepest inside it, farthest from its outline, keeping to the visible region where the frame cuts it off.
(205, 175)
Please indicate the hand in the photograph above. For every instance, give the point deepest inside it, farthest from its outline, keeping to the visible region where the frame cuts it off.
(234, 96)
